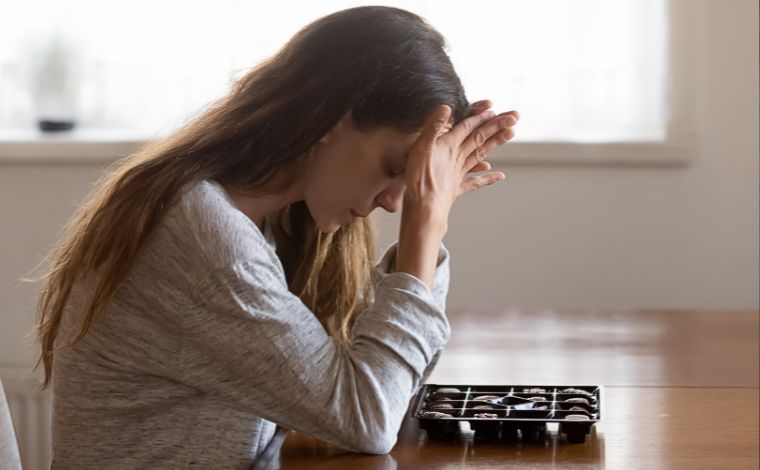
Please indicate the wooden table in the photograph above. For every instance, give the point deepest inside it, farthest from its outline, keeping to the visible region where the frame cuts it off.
(681, 392)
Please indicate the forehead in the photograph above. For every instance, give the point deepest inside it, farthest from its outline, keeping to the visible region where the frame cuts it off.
(392, 140)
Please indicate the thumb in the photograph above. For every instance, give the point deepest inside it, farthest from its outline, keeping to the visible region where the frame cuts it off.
(435, 125)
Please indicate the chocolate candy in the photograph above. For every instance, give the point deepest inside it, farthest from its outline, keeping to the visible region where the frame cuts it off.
(537, 398)
(485, 415)
(435, 414)
(534, 390)
(483, 407)
(445, 392)
(577, 400)
(577, 391)
(577, 418)
(487, 397)
(578, 408)
(440, 407)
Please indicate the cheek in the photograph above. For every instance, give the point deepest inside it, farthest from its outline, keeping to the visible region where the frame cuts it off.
(343, 181)
(351, 184)
(330, 196)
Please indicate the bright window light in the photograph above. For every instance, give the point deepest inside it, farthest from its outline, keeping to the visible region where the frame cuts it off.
(577, 70)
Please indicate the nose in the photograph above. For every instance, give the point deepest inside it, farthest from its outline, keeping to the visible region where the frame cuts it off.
(392, 196)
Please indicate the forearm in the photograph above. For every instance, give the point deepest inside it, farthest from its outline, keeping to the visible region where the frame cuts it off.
(352, 396)
(420, 237)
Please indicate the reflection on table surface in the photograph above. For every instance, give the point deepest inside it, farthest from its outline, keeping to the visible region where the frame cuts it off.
(680, 392)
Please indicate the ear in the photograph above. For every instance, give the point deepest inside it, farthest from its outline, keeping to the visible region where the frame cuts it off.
(344, 123)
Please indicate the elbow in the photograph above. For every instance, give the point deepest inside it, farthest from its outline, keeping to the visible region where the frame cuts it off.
(376, 438)
(377, 443)
(367, 441)
(380, 433)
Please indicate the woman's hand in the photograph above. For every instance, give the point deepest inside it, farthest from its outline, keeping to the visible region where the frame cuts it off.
(437, 174)
(441, 158)
(472, 181)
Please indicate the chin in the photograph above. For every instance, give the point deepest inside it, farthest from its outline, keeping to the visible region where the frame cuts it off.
(329, 227)
(333, 228)
(328, 224)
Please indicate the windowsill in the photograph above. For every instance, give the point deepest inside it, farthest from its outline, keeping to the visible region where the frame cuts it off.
(624, 154)
(104, 147)
(91, 146)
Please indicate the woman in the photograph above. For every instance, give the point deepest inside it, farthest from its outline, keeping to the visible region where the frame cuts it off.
(221, 280)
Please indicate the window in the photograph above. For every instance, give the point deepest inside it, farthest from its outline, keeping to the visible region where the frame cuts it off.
(589, 71)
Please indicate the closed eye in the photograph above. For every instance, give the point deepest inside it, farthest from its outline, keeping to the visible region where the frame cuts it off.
(394, 172)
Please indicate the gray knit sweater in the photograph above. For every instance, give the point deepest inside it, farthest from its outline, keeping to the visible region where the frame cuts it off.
(203, 350)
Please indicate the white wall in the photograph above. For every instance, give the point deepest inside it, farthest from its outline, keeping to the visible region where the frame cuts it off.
(684, 237)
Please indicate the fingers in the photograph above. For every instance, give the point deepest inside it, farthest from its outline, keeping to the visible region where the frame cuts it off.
(477, 156)
(492, 134)
(461, 131)
(479, 166)
(479, 106)
(472, 183)
(436, 124)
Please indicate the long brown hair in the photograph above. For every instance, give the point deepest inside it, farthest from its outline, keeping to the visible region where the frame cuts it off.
(386, 65)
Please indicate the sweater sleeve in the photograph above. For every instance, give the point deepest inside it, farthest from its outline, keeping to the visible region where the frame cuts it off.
(440, 290)
(387, 265)
(251, 342)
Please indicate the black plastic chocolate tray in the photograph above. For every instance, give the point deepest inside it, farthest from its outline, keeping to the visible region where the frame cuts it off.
(508, 412)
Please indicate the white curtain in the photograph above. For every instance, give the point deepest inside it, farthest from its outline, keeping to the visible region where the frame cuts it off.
(577, 70)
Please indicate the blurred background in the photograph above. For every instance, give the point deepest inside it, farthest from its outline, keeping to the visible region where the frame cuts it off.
(632, 181)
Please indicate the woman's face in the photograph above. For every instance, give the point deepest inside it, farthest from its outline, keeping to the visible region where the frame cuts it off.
(355, 171)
